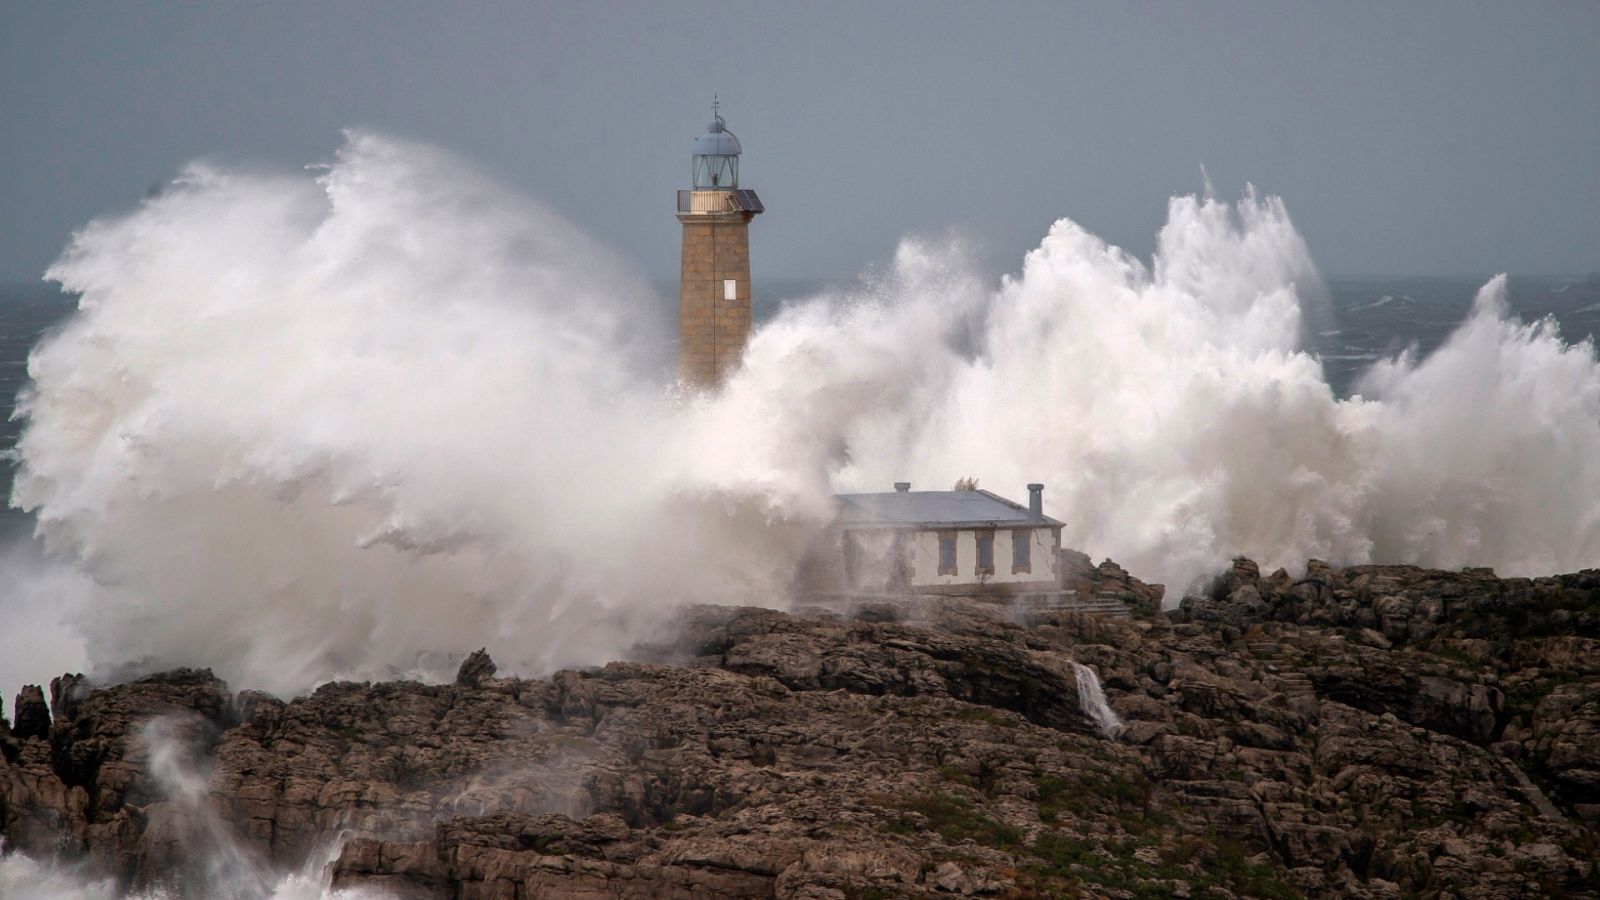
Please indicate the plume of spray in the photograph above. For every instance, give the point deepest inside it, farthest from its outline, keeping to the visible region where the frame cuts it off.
(313, 425)
(1177, 422)
(210, 862)
(219, 866)
(24, 877)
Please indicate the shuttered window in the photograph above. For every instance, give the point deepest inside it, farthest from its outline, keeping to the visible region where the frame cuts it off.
(947, 553)
(1021, 551)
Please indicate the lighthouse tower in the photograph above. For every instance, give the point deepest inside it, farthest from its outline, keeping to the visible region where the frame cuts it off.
(714, 283)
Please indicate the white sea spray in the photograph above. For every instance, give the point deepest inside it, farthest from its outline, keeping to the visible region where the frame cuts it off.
(212, 862)
(345, 422)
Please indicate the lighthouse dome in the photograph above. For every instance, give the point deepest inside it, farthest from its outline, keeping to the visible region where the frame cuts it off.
(717, 141)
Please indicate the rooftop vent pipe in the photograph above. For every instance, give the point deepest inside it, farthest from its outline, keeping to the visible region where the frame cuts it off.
(1036, 500)
(902, 486)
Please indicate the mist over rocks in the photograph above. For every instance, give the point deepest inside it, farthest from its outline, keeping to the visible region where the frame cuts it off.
(1371, 731)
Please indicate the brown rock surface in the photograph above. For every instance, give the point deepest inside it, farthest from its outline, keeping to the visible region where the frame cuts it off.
(1371, 732)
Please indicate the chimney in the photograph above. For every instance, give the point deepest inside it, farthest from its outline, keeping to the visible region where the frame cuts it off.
(902, 486)
(1036, 500)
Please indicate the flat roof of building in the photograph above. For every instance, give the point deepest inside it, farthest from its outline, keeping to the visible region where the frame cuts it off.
(935, 509)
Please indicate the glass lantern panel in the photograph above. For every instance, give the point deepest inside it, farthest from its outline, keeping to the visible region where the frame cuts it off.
(716, 171)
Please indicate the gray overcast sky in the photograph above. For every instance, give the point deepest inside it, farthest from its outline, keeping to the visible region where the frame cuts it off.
(1447, 137)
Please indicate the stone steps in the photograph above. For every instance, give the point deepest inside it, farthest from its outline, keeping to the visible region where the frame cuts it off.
(1107, 605)
(1296, 684)
(1114, 609)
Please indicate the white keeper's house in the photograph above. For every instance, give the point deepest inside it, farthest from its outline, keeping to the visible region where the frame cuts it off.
(961, 543)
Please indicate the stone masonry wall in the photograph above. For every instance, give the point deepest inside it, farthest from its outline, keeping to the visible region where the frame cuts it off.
(711, 329)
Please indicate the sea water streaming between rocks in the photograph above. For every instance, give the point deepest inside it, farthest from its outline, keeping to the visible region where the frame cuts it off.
(1094, 702)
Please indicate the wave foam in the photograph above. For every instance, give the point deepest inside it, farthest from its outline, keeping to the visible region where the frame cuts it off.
(315, 425)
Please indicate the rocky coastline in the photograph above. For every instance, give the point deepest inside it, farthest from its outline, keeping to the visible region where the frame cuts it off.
(1375, 731)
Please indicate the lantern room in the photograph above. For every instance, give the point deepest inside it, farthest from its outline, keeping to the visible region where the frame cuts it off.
(716, 157)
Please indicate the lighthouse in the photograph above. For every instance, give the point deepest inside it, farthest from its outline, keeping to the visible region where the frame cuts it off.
(714, 281)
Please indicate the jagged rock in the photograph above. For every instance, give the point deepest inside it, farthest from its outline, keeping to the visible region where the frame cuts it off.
(89, 787)
(1375, 682)
(1273, 746)
(258, 708)
(1245, 573)
(1566, 740)
(66, 692)
(475, 669)
(1079, 573)
(32, 714)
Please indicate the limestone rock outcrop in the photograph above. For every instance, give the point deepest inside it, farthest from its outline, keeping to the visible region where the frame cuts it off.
(1370, 732)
